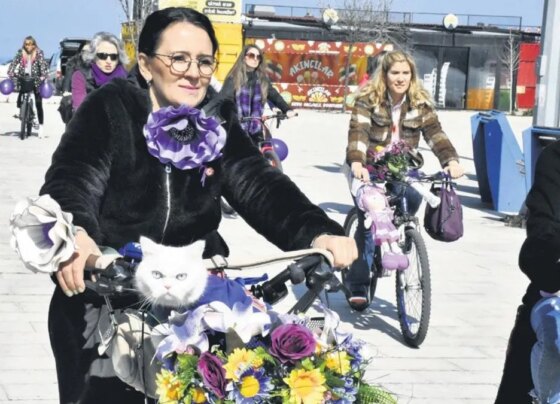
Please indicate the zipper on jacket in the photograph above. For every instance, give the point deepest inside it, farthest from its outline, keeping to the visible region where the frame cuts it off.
(168, 197)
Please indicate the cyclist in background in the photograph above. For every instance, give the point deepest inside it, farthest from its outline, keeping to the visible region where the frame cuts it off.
(248, 85)
(392, 106)
(30, 61)
(104, 61)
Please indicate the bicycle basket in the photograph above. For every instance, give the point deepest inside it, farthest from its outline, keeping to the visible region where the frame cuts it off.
(26, 84)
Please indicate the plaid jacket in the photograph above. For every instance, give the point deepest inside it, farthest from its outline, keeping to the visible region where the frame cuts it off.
(371, 126)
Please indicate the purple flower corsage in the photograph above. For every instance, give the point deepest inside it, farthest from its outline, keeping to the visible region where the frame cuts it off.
(184, 137)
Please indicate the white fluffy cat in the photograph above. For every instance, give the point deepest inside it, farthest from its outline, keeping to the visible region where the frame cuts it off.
(171, 276)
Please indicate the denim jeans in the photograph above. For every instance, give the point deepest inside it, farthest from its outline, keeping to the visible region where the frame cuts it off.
(545, 356)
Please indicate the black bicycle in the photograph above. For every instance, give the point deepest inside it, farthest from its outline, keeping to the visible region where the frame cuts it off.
(266, 145)
(267, 149)
(27, 110)
(413, 285)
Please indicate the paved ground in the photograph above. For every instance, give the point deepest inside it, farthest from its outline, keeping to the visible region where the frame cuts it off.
(476, 283)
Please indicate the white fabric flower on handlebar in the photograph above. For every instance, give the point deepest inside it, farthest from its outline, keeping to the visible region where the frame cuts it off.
(42, 234)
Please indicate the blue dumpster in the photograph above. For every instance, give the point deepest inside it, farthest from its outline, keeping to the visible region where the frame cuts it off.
(499, 163)
(534, 140)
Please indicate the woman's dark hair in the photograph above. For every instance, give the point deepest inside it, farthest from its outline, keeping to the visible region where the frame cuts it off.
(159, 20)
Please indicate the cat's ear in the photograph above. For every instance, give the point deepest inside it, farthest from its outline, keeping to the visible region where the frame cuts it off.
(146, 244)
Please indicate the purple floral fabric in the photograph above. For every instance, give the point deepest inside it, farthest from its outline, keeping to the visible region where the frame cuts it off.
(184, 137)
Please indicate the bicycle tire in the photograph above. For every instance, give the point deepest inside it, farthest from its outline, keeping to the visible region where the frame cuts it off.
(24, 112)
(350, 227)
(414, 308)
(273, 159)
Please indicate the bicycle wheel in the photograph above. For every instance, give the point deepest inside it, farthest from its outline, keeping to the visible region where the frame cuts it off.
(30, 117)
(23, 116)
(350, 228)
(273, 159)
(414, 290)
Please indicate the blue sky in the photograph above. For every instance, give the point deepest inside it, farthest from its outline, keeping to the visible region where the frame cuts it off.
(51, 20)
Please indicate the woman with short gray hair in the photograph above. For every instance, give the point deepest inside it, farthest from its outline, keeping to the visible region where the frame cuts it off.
(103, 61)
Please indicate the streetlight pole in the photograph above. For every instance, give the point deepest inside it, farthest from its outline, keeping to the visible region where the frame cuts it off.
(547, 108)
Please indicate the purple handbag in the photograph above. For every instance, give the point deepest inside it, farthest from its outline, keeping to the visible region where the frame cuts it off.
(445, 222)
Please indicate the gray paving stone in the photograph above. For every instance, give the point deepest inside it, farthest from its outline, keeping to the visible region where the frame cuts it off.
(43, 391)
(476, 285)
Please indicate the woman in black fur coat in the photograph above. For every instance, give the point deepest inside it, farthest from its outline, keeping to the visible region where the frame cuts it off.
(120, 180)
(533, 350)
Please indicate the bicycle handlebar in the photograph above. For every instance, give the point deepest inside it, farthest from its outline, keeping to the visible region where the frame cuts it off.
(312, 265)
(279, 116)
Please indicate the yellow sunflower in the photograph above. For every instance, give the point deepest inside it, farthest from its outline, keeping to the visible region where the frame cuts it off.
(169, 388)
(197, 395)
(338, 362)
(306, 386)
(238, 360)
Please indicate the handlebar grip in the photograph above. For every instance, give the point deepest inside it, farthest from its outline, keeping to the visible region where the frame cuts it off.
(275, 289)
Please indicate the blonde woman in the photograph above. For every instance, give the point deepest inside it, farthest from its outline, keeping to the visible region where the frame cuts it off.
(392, 106)
(30, 61)
(248, 85)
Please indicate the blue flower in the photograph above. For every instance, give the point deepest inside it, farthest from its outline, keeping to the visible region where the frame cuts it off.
(253, 387)
(346, 394)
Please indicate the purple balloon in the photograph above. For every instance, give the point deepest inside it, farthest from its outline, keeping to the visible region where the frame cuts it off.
(281, 148)
(46, 89)
(6, 86)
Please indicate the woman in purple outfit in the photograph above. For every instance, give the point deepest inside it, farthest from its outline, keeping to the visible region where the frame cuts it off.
(104, 61)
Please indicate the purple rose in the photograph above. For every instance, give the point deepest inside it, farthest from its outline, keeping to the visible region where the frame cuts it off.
(213, 374)
(184, 136)
(291, 342)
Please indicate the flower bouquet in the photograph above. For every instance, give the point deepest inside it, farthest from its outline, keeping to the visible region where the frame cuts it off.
(286, 362)
(392, 160)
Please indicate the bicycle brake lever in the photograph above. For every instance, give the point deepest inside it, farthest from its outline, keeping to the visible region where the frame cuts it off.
(117, 278)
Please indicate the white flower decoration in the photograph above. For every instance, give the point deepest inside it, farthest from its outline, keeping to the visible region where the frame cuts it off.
(42, 234)
(242, 319)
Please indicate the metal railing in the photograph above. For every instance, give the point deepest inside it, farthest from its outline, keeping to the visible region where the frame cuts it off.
(397, 17)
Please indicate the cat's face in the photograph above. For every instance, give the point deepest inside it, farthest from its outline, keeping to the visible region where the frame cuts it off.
(171, 276)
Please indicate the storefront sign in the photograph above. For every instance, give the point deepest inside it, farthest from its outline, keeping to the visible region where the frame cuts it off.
(312, 74)
(216, 10)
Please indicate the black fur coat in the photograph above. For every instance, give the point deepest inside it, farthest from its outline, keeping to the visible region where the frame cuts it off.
(103, 174)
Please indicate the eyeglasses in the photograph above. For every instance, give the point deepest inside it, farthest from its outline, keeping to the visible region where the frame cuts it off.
(29, 44)
(253, 56)
(181, 63)
(105, 56)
